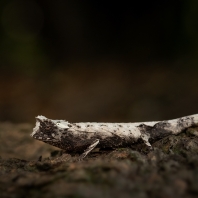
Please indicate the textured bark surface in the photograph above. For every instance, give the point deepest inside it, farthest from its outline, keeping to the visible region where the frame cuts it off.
(170, 170)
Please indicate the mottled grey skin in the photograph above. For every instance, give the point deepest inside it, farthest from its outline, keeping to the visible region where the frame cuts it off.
(83, 137)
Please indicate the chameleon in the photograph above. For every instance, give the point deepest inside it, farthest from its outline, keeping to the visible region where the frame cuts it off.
(83, 137)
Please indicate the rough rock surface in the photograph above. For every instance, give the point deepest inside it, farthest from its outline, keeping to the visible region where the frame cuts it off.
(170, 170)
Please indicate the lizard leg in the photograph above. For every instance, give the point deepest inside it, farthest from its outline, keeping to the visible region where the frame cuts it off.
(145, 134)
(89, 149)
(145, 138)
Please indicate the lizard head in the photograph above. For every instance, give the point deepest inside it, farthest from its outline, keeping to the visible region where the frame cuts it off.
(48, 130)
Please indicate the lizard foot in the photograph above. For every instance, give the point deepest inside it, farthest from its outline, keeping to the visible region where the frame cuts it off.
(89, 149)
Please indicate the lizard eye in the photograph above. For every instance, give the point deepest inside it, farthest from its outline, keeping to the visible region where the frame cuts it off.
(62, 125)
(58, 124)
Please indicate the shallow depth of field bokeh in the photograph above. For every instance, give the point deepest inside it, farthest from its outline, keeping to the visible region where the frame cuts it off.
(97, 60)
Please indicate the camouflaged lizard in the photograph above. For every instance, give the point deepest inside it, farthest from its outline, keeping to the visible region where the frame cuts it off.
(83, 137)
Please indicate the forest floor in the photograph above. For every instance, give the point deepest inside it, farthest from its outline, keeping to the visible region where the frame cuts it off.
(29, 168)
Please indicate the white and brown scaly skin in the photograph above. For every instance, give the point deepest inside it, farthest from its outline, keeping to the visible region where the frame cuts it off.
(84, 136)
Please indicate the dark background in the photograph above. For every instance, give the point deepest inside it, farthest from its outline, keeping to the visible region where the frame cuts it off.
(98, 60)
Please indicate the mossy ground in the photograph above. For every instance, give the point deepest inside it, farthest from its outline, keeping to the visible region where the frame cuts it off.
(170, 170)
